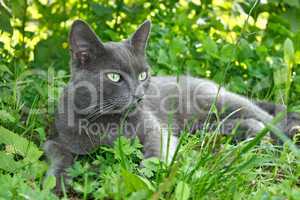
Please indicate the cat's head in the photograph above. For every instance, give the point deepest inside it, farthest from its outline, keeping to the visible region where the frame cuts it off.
(111, 74)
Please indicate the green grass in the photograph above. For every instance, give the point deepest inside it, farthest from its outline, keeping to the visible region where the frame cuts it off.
(199, 172)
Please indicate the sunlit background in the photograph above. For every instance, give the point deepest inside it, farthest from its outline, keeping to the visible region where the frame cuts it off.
(203, 38)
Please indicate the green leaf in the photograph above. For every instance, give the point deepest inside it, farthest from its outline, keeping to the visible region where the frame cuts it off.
(21, 146)
(297, 57)
(18, 8)
(7, 162)
(177, 45)
(135, 183)
(280, 76)
(182, 191)
(8, 186)
(139, 195)
(288, 49)
(4, 68)
(49, 183)
(245, 50)
(227, 53)
(6, 117)
(41, 132)
(150, 166)
(162, 57)
(292, 3)
(210, 46)
(100, 10)
(292, 18)
(5, 21)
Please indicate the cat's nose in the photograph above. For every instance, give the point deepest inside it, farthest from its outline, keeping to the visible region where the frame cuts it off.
(138, 94)
(139, 100)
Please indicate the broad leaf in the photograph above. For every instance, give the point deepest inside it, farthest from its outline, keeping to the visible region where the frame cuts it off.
(20, 145)
(182, 191)
(8, 163)
(135, 183)
(5, 21)
(288, 49)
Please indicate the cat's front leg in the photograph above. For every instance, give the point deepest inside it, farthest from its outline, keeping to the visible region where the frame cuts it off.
(162, 146)
(158, 141)
(60, 159)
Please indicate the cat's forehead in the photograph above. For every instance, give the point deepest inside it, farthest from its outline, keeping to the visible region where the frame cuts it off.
(120, 54)
(118, 51)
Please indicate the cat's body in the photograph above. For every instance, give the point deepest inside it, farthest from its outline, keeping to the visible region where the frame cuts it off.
(169, 103)
(97, 105)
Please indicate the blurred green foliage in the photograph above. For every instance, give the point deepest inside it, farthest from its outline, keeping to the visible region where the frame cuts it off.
(210, 38)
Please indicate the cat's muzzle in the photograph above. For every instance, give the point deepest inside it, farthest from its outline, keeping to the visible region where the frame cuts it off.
(137, 99)
(135, 103)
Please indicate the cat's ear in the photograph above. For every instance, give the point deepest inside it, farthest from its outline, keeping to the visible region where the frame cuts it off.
(139, 39)
(84, 42)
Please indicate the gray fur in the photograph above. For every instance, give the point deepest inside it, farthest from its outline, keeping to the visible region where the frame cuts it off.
(92, 108)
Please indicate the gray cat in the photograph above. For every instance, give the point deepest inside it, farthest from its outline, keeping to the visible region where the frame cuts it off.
(111, 93)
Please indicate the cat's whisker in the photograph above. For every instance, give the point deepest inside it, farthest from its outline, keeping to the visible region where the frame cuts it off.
(99, 107)
(107, 110)
(102, 103)
(100, 112)
(88, 109)
(91, 115)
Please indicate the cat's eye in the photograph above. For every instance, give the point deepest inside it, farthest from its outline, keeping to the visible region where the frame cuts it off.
(142, 76)
(115, 77)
